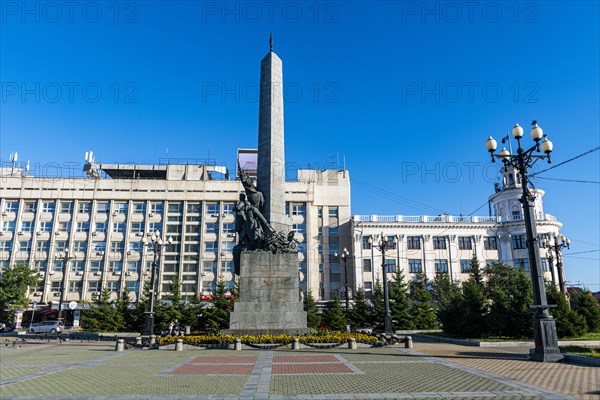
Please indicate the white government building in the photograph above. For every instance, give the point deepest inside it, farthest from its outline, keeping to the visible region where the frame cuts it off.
(99, 221)
(446, 243)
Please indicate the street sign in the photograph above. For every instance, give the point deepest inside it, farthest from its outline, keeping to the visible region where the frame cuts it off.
(72, 305)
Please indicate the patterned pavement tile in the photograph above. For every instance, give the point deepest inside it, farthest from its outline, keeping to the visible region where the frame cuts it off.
(53, 355)
(224, 360)
(139, 381)
(295, 369)
(15, 372)
(305, 359)
(573, 380)
(386, 378)
(200, 369)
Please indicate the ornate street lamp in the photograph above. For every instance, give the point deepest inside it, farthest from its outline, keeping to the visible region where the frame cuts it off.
(544, 326)
(155, 244)
(383, 246)
(344, 258)
(65, 271)
(560, 242)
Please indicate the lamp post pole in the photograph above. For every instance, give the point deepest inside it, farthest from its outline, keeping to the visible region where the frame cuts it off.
(560, 242)
(387, 320)
(156, 245)
(544, 326)
(344, 257)
(65, 263)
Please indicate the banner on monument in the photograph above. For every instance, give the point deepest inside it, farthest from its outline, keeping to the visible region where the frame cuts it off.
(248, 161)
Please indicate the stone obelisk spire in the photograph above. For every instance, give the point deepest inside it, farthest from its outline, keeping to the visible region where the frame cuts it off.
(271, 157)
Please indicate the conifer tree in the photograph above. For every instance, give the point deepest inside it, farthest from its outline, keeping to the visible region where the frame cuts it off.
(313, 318)
(510, 293)
(448, 300)
(474, 303)
(378, 305)
(421, 307)
(585, 304)
(361, 314)
(216, 317)
(399, 302)
(123, 305)
(334, 317)
(102, 316)
(568, 322)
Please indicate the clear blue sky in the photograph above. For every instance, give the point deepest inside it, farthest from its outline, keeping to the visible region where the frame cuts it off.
(406, 92)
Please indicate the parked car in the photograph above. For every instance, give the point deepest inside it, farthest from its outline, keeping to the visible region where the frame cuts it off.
(46, 327)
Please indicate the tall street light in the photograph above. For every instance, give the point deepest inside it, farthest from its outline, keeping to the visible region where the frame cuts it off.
(65, 261)
(344, 258)
(544, 326)
(560, 242)
(155, 245)
(383, 246)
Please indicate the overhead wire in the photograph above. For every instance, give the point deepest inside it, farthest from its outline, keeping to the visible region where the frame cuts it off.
(568, 180)
(566, 161)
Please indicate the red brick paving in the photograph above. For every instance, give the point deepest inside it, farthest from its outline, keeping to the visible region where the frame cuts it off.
(310, 369)
(223, 360)
(303, 359)
(199, 369)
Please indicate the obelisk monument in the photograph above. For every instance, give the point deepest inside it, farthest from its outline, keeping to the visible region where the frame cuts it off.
(271, 156)
(266, 257)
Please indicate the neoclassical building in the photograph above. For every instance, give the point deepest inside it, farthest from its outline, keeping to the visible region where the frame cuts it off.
(446, 243)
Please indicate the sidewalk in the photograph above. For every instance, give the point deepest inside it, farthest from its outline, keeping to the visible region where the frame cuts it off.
(429, 371)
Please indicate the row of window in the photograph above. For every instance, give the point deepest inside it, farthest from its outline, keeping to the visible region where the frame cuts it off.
(415, 265)
(439, 242)
(44, 246)
(441, 265)
(136, 267)
(140, 208)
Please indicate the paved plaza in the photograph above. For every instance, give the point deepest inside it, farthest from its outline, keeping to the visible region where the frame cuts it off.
(429, 371)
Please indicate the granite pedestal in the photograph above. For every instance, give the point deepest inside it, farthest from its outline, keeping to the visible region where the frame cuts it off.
(269, 298)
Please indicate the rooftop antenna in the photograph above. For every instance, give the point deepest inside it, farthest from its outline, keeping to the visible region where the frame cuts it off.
(271, 42)
(27, 168)
(13, 161)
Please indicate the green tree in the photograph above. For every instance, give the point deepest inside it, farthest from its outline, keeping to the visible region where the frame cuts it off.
(126, 314)
(360, 314)
(421, 307)
(102, 316)
(510, 293)
(474, 305)
(138, 315)
(586, 305)
(334, 317)
(189, 312)
(568, 322)
(313, 318)
(15, 282)
(170, 307)
(448, 300)
(399, 303)
(378, 305)
(216, 316)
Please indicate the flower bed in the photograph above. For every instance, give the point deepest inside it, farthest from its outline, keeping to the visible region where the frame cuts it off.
(325, 337)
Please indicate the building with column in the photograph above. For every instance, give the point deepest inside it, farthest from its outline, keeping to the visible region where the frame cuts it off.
(100, 221)
(446, 243)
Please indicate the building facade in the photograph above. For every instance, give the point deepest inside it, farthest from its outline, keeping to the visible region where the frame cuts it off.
(85, 234)
(446, 243)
